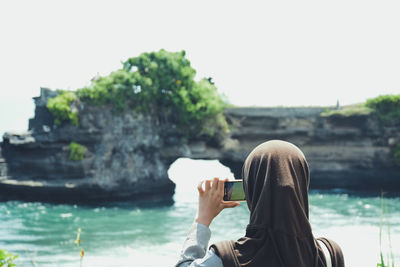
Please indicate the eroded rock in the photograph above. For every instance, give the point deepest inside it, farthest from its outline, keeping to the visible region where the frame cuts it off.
(127, 157)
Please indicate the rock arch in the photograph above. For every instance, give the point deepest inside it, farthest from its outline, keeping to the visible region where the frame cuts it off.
(127, 159)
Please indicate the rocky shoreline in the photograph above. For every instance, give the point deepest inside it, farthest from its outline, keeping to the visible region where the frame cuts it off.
(126, 157)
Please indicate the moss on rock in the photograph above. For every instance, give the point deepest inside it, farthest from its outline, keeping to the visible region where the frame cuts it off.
(76, 151)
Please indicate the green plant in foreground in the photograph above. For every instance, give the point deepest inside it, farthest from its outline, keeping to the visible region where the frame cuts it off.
(76, 151)
(7, 258)
(78, 242)
(60, 108)
(385, 213)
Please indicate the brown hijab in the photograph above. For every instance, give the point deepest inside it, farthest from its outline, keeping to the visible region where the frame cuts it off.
(275, 180)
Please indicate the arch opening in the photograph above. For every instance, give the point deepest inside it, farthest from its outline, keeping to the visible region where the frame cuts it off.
(186, 173)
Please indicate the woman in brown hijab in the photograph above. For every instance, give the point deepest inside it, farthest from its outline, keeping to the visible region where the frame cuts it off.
(275, 180)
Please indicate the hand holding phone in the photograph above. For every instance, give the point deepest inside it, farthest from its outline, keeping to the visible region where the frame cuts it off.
(211, 200)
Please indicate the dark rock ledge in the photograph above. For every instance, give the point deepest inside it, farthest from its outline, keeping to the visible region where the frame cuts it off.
(127, 158)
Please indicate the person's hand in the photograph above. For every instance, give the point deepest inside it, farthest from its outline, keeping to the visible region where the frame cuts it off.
(211, 201)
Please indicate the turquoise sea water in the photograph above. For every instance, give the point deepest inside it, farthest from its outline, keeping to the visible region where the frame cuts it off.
(128, 235)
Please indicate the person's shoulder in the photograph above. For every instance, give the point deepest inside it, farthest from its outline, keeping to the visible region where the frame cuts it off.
(222, 247)
(335, 251)
(225, 251)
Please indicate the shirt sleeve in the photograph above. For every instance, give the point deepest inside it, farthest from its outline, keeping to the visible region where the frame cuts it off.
(194, 252)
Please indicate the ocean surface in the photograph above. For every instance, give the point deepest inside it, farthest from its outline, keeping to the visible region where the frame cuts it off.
(124, 234)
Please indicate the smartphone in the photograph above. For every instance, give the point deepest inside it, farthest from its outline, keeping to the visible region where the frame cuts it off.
(233, 191)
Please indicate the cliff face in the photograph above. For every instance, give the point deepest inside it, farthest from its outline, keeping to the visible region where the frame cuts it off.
(343, 152)
(127, 158)
(352, 152)
(122, 160)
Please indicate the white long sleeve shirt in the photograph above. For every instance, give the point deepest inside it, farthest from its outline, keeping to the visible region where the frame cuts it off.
(194, 252)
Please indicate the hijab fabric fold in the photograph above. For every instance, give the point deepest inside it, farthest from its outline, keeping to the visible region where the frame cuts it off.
(275, 180)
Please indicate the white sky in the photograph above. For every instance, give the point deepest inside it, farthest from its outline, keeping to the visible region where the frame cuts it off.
(263, 53)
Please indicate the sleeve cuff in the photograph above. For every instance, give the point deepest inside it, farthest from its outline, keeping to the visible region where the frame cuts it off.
(201, 233)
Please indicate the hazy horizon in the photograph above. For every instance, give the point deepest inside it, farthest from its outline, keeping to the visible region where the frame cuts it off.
(307, 53)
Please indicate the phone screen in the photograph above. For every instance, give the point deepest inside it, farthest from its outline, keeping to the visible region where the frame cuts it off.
(233, 191)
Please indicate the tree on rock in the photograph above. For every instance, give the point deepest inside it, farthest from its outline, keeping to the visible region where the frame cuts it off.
(161, 84)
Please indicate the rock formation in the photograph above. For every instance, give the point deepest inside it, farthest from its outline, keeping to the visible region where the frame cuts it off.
(127, 158)
(122, 159)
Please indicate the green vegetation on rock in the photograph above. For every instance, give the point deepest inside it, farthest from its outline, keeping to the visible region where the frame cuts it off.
(120, 90)
(387, 107)
(157, 83)
(60, 108)
(346, 111)
(76, 151)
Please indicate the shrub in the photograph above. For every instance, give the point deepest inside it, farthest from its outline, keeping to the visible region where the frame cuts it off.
(158, 83)
(7, 258)
(118, 89)
(169, 91)
(77, 151)
(60, 108)
(387, 107)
